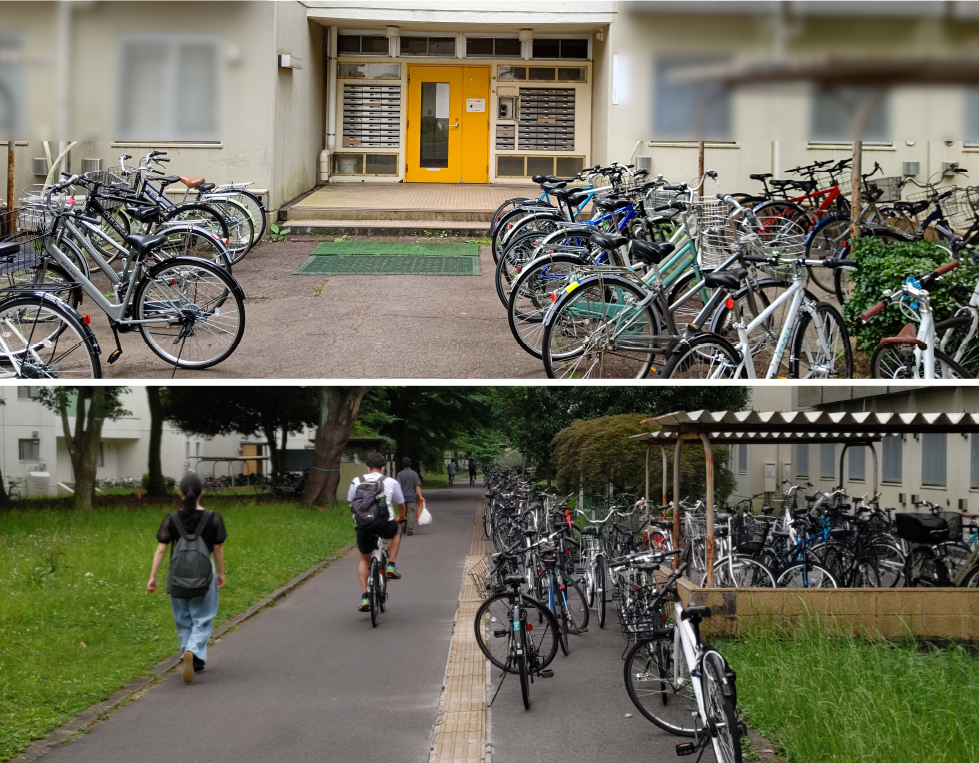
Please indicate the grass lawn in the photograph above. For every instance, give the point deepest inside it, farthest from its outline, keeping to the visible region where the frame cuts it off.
(76, 622)
(823, 700)
(431, 481)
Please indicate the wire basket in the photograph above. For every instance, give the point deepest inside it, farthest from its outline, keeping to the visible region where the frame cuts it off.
(749, 533)
(110, 189)
(889, 188)
(958, 210)
(478, 575)
(694, 526)
(713, 232)
(21, 221)
(954, 520)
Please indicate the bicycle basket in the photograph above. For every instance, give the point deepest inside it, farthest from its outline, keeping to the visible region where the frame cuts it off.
(954, 521)
(750, 534)
(922, 528)
(889, 187)
(713, 232)
(478, 575)
(110, 189)
(958, 210)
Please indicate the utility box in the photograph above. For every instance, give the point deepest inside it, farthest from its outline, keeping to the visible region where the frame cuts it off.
(37, 484)
(644, 163)
(771, 477)
(39, 167)
(912, 168)
(507, 108)
(950, 168)
(91, 165)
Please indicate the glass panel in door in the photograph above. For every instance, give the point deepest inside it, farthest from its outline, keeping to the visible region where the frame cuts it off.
(434, 134)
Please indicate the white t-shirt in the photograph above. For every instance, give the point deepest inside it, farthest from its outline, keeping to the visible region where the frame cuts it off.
(392, 491)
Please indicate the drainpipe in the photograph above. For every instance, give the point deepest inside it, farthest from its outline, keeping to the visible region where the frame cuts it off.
(331, 108)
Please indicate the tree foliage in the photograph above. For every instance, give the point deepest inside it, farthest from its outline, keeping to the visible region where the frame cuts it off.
(90, 406)
(601, 451)
(530, 417)
(273, 412)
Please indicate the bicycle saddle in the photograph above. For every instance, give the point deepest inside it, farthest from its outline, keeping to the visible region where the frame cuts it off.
(648, 567)
(805, 185)
(513, 579)
(912, 207)
(907, 335)
(608, 240)
(167, 180)
(205, 187)
(730, 279)
(761, 176)
(695, 614)
(191, 182)
(555, 186)
(142, 244)
(649, 252)
(612, 204)
(782, 183)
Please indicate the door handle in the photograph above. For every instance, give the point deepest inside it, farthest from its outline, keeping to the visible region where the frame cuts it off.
(455, 125)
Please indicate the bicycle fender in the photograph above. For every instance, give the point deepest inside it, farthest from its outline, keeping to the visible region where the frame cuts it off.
(235, 288)
(567, 291)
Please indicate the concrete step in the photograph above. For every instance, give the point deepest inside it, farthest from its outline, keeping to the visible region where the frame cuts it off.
(355, 227)
(387, 215)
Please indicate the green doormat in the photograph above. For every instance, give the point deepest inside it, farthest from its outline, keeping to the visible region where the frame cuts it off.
(387, 248)
(390, 265)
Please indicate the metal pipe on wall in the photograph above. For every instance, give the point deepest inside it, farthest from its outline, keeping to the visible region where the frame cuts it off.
(331, 106)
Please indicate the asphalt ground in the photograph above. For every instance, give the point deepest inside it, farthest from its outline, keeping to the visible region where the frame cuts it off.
(309, 679)
(344, 327)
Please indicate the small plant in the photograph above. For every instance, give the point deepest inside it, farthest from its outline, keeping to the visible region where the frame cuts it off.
(428, 233)
(278, 234)
(340, 239)
(444, 234)
(480, 241)
(319, 289)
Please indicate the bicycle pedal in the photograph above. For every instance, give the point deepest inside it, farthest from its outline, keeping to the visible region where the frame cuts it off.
(113, 356)
(501, 634)
(580, 631)
(546, 673)
(686, 748)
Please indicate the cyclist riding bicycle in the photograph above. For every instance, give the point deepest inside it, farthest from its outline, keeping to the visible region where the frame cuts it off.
(367, 539)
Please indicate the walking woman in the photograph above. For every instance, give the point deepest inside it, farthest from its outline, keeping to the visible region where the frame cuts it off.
(193, 534)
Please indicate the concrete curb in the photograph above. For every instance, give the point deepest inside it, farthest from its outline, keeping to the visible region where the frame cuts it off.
(764, 750)
(81, 722)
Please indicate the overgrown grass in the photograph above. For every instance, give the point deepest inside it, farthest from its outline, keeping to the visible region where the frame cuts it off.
(431, 481)
(836, 700)
(76, 622)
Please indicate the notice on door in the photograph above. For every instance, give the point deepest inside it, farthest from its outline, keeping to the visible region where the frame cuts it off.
(475, 104)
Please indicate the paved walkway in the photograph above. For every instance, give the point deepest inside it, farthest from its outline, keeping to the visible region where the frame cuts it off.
(417, 196)
(309, 679)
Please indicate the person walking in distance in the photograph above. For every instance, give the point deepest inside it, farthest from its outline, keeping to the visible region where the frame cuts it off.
(411, 488)
(472, 472)
(193, 534)
(388, 490)
(452, 472)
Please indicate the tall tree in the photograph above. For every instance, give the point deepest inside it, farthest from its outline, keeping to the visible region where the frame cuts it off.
(90, 406)
(156, 487)
(338, 408)
(273, 412)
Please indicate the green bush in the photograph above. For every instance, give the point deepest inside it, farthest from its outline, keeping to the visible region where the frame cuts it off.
(886, 266)
(168, 482)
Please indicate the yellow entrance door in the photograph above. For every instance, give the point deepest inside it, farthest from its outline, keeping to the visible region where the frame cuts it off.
(448, 124)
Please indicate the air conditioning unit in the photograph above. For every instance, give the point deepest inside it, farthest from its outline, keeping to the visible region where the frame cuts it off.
(37, 484)
(770, 476)
(902, 498)
(644, 163)
(915, 498)
(289, 61)
(91, 165)
(963, 505)
(39, 167)
(912, 168)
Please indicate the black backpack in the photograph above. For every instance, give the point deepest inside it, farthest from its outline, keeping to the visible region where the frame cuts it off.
(369, 506)
(190, 572)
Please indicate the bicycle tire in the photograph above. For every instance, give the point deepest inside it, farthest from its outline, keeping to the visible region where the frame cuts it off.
(68, 349)
(488, 521)
(706, 356)
(188, 241)
(241, 229)
(748, 573)
(201, 291)
(510, 223)
(505, 207)
(825, 352)
(208, 216)
(523, 671)
(594, 331)
(800, 575)
(953, 342)
(649, 673)
(518, 253)
(721, 706)
(898, 361)
(255, 206)
(601, 578)
(496, 610)
(529, 300)
(971, 579)
(374, 593)
(827, 239)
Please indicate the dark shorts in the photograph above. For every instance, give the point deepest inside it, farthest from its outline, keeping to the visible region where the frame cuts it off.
(367, 539)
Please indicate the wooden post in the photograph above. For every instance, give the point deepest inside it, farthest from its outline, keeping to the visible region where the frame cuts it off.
(662, 450)
(860, 117)
(709, 540)
(10, 175)
(700, 161)
(677, 539)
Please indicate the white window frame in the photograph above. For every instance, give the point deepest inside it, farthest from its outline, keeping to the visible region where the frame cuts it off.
(174, 40)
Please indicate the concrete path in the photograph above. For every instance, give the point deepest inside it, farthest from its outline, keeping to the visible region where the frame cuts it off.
(309, 679)
(317, 327)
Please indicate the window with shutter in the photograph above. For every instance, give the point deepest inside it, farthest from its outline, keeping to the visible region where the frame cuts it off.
(802, 460)
(933, 458)
(892, 448)
(827, 460)
(371, 116)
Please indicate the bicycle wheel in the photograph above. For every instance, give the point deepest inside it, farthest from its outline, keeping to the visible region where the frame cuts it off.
(42, 337)
(806, 575)
(197, 310)
(188, 241)
(720, 704)
(241, 229)
(599, 330)
(659, 684)
(575, 604)
(899, 361)
(826, 240)
(706, 356)
(890, 564)
(374, 591)
(109, 252)
(488, 521)
(253, 205)
(956, 344)
(742, 572)
(494, 629)
(530, 297)
(202, 215)
(518, 253)
(971, 579)
(523, 670)
(522, 221)
(691, 307)
(601, 577)
(821, 351)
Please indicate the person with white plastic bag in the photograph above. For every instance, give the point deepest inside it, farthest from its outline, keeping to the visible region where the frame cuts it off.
(423, 516)
(411, 487)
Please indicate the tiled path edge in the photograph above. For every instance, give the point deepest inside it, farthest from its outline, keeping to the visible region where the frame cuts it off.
(461, 732)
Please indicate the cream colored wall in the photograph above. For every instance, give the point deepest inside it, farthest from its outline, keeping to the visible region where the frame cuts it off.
(300, 94)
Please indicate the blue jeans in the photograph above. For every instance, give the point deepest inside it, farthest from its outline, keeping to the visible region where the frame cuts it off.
(195, 620)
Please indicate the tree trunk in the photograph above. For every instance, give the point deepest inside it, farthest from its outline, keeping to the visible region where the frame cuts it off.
(4, 498)
(83, 443)
(337, 413)
(156, 487)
